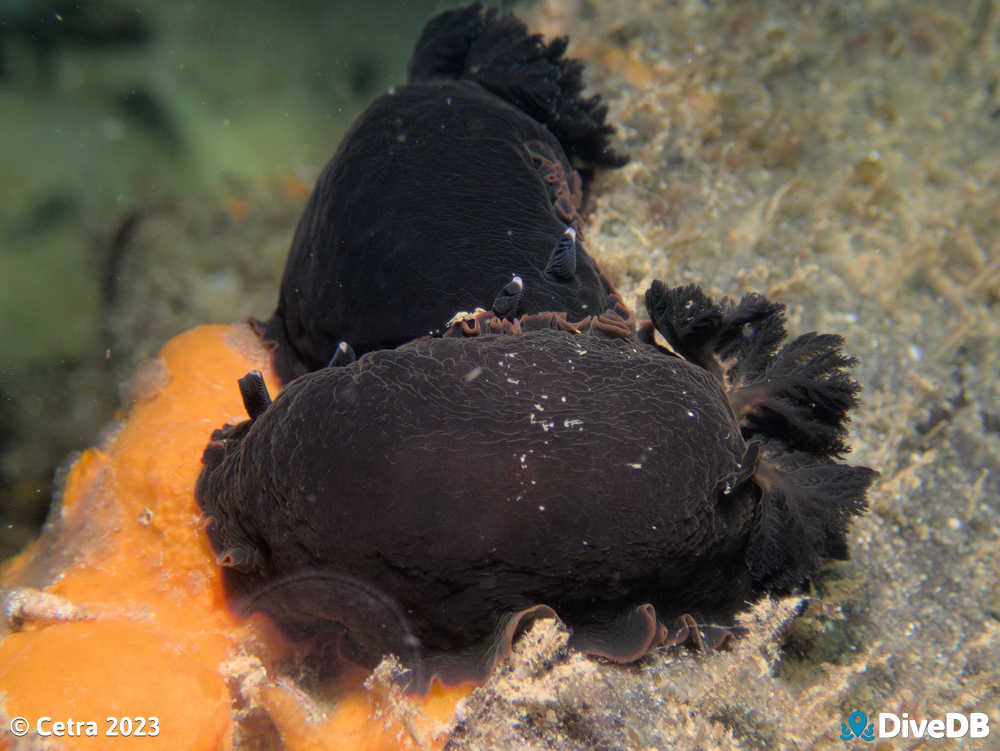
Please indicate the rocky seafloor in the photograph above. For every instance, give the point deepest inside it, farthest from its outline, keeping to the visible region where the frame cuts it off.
(843, 158)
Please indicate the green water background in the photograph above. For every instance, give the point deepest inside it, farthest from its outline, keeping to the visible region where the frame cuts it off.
(108, 108)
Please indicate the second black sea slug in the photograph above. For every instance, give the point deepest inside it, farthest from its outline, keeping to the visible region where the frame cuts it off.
(458, 189)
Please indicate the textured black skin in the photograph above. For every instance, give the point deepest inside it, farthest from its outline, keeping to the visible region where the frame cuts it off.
(423, 472)
(442, 190)
(426, 500)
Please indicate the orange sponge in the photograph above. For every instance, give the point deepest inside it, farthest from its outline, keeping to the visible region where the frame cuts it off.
(118, 609)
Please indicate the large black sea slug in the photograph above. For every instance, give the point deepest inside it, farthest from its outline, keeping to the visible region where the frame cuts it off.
(426, 500)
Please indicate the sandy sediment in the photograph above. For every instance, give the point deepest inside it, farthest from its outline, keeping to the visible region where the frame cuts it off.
(844, 160)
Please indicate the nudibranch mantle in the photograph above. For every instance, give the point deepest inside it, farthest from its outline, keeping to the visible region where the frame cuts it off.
(433, 496)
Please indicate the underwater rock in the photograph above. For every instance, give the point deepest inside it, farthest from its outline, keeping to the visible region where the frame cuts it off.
(444, 190)
(428, 500)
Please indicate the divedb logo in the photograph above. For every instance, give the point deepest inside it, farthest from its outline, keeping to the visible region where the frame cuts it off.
(891, 725)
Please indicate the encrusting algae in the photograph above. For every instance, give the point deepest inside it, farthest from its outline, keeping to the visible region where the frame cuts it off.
(118, 609)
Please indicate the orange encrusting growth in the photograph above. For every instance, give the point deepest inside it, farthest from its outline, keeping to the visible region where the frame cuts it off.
(128, 546)
(92, 670)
